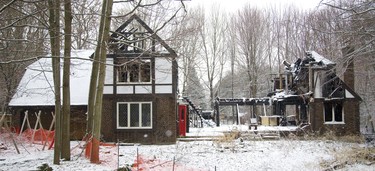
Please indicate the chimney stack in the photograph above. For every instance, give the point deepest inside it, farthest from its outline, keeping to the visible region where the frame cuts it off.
(349, 66)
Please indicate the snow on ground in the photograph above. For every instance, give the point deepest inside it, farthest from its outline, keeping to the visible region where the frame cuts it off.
(237, 155)
(218, 131)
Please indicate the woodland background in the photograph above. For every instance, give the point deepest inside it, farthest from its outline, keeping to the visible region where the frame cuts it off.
(225, 54)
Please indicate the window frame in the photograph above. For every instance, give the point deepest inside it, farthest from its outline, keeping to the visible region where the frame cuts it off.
(333, 106)
(128, 105)
(140, 70)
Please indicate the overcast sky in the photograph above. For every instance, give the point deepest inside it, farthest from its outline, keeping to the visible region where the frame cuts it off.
(233, 5)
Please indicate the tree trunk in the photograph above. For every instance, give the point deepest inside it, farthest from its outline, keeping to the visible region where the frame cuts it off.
(103, 39)
(94, 80)
(65, 150)
(92, 89)
(54, 27)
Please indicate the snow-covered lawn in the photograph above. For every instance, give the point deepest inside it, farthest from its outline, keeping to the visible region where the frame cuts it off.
(237, 154)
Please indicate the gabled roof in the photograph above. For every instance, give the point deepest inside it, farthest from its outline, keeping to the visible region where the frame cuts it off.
(321, 62)
(126, 37)
(347, 88)
(300, 72)
(36, 85)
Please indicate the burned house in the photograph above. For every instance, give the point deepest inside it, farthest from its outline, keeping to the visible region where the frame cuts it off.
(139, 100)
(309, 93)
(334, 105)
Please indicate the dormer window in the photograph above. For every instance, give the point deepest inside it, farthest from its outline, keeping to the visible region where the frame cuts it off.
(134, 71)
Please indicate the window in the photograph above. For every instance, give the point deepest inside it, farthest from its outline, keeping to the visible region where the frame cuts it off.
(135, 71)
(131, 115)
(333, 112)
(332, 86)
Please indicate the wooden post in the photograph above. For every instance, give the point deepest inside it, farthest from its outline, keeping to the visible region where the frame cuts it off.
(36, 125)
(217, 113)
(264, 109)
(10, 132)
(25, 121)
(50, 128)
(311, 79)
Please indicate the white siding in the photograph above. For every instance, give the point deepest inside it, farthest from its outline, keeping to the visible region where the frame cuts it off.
(317, 86)
(348, 94)
(109, 71)
(163, 71)
(108, 90)
(143, 89)
(163, 89)
(125, 90)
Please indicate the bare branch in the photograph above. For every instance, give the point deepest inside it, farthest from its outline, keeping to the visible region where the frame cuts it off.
(6, 5)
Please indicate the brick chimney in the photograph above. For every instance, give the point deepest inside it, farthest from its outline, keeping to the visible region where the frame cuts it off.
(349, 65)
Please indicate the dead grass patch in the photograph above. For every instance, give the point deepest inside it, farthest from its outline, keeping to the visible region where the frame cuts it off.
(331, 136)
(342, 158)
(344, 138)
(228, 141)
(229, 137)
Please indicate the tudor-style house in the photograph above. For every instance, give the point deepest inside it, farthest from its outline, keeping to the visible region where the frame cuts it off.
(311, 95)
(140, 91)
(139, 101)
(333, 105)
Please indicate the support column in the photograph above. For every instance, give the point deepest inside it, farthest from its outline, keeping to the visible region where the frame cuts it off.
(217, 113)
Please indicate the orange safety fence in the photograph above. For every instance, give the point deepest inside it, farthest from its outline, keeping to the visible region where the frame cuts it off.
(41, 135)
(9, 130)
(89, 147)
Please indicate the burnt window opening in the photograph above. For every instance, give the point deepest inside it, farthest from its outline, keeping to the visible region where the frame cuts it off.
(131, 40)
(333, 112)
(276, 83)
(137, 71)
(145, 72)
(332, 86)
(136, 43)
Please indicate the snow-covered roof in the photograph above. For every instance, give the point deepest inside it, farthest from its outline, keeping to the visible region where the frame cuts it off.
(320, 58)
(36, 86)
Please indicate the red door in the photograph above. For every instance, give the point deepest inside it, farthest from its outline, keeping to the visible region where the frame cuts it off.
(182, 110)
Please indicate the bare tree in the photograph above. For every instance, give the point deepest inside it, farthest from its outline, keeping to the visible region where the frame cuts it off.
(213, 49)
(65, 136)
(85, 21)
(185, 40)
(27, 26)
(97, 80)
(54, 32)
(324, 24)
(251, 27)
(293, 33)
(23, 33)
